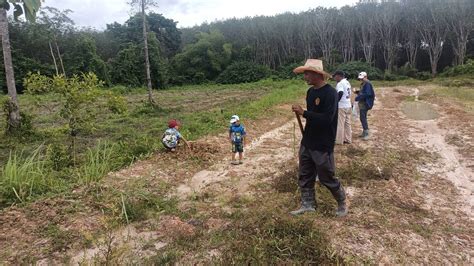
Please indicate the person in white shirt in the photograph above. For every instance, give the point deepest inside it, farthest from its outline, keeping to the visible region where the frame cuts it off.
(343, 87)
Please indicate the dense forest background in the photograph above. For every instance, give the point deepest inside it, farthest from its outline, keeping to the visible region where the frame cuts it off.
(388, 39)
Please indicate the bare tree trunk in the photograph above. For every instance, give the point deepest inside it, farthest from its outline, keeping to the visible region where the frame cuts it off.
(14, 118)
(434, 66)
(366, 15)
(54, 58)
(460, 51)
(147, 59)
(60, 57)
(412, 52)
(367, 48)
(460, 42)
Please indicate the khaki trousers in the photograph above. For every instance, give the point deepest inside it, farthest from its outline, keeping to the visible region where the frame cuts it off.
(344, 131)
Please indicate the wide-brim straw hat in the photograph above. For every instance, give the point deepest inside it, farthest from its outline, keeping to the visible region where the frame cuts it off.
(314, 65)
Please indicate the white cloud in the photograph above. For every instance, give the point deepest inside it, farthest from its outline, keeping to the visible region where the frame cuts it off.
(98, 13)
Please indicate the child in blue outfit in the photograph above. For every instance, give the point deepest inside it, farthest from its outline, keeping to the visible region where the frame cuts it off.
(237, 138)
(172, 137)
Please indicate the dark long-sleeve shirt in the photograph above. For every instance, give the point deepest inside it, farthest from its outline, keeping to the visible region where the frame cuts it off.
(321, 119)
(366, 95)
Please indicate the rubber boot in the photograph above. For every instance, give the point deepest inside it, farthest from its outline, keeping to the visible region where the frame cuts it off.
(307, 202)
(340, 196)
(365, 135)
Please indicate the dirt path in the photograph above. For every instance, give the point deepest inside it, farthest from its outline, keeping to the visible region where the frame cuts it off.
(426, 133)
(265, 153)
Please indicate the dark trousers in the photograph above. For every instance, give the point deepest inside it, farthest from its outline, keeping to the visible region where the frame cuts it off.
(319, 163)
(363, 116)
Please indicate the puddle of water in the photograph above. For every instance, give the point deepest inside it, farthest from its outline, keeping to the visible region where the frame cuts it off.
(419, 110)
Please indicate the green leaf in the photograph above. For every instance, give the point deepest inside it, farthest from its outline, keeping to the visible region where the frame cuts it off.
(18, 11)
(31, 7)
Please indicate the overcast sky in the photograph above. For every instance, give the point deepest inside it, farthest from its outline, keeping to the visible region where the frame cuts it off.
(98, 13)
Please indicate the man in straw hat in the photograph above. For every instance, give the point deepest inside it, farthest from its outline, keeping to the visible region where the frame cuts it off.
(316, 156)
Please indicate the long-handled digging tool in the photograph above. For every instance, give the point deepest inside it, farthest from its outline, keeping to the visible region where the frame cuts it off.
(299, 123)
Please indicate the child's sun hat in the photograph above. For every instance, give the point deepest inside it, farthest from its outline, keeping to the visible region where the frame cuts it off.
(172, 123)
(234, 119)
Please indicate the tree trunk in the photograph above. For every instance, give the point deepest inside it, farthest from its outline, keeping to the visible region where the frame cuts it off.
(54, 58)
(147, 59)
(412, 52)
(459, 48)
(14, 118)
(60, 57)
(434, 67)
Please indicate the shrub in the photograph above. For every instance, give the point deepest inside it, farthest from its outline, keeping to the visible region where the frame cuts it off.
(423, 75)
(406, 70)
(77, 93)
(286, 71)
(116, 104)
(242, 72)
(466, 69)
(355, 67)
(393, 77)
(37, 83)
(57, 156)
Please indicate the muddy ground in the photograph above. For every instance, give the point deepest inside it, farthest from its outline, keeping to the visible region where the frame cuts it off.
(410, 193)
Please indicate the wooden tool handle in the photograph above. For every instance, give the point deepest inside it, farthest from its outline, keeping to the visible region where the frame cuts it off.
(300, 123)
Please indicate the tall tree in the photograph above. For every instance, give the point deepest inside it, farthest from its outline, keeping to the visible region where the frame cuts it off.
(205, 59)
(29, 8)
(432, 27)
(144, 4)
(366, 14)
(347, 29)
(388, 30)
(325, 27)
(410, 38)
(461, 24)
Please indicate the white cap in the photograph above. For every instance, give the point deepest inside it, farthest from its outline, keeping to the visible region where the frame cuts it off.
(234, 119)
(362, 75)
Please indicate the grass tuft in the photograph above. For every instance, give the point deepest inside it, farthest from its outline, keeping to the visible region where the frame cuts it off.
(24, 177)
(99, 161)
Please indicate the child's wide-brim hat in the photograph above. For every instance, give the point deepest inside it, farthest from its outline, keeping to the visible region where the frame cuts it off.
(314, 65)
